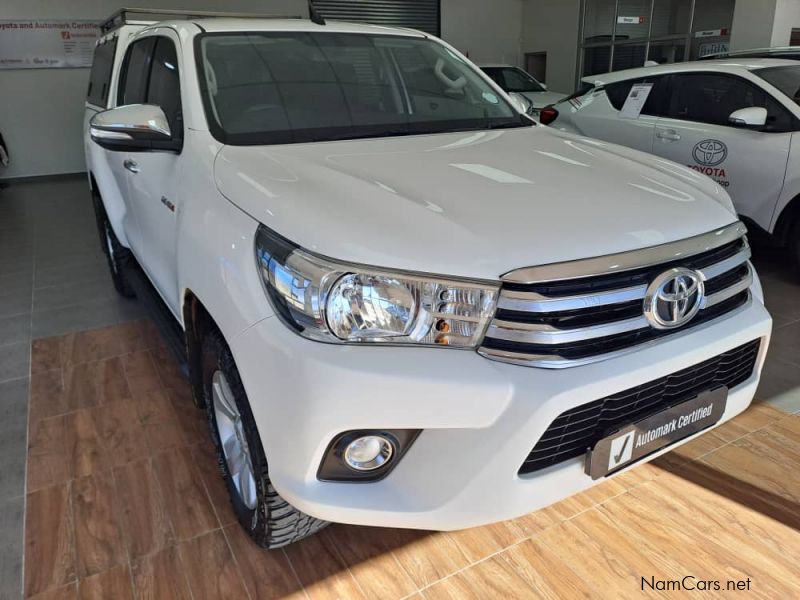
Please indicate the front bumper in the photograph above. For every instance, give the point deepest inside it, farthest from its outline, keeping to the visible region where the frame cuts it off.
(479, 418)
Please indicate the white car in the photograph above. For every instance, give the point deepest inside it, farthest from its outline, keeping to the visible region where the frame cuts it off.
(401, 302)
(514, 80)
(736, 121)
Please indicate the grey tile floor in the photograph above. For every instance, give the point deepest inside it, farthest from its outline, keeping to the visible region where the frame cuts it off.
(54, 280)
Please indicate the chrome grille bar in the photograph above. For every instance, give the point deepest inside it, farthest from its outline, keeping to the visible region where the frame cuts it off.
(534, 302)
(547, 334)
(726, 265)
(551, 322)
(737, 288)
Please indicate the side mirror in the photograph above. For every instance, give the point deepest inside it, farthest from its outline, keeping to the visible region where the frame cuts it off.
(133, 128)
(521, 103)
(754, 116)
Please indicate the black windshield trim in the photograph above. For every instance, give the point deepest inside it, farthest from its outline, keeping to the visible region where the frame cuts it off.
(325, 134)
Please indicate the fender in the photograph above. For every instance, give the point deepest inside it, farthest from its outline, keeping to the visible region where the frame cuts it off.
(216, 247)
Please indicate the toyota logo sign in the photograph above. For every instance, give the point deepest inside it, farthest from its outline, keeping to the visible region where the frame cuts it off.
(673, 298)
(710, 153)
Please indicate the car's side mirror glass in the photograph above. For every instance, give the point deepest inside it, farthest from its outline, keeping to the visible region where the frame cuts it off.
(133, 128)
(754, 116)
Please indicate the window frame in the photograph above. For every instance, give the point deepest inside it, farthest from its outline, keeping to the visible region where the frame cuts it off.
(672, 88)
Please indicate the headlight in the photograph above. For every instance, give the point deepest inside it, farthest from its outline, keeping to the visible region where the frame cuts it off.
(335, 302)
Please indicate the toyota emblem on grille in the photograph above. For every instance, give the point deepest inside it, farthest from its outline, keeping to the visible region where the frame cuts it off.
(673, 298)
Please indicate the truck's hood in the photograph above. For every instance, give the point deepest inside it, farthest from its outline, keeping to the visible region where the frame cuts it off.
(474, 204)
(542, 99)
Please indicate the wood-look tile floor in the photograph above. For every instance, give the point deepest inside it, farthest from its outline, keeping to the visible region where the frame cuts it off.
(124, 500)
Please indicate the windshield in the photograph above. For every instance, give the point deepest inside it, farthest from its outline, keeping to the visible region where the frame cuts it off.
(284, 87)
(512, 79)
(786, 79)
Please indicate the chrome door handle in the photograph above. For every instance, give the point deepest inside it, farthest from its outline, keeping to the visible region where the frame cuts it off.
(131, 165)
(668, 135)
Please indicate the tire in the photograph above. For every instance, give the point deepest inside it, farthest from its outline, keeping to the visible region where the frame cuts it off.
(269, 520)
(117, 255)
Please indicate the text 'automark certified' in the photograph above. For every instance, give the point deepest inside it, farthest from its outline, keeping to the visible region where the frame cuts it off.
(648, 435)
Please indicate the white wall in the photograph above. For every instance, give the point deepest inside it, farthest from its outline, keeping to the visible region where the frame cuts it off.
(787, 17)
(753, 21)
(41, 111)
(764, 23)
(488, 31)
(552, 26)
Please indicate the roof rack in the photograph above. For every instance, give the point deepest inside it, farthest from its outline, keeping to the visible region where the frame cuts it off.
(147, 16)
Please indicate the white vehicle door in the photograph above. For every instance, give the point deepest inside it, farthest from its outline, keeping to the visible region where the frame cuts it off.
(154, 176)
(106, 166)
(750, 164)
(599, 114)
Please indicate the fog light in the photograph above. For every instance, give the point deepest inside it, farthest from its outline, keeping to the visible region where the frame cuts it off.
(365, 455)
(368, 453)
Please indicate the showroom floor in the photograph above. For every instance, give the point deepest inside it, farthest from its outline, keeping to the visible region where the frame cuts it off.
(124, 500)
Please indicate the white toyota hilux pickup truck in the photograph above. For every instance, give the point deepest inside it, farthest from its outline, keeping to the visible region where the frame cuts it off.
(401, 302)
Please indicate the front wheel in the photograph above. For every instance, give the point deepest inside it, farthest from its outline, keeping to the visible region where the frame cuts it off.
(268, 519)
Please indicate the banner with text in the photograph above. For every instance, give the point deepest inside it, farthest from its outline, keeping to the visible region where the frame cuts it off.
(47, 44)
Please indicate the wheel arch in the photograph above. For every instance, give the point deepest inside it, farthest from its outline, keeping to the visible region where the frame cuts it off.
(787, 220)
(197, 321)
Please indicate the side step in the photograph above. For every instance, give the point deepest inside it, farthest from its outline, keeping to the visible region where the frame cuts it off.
(169, 328)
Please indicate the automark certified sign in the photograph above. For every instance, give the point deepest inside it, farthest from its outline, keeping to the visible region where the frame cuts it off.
(710, 152)
(644, 437)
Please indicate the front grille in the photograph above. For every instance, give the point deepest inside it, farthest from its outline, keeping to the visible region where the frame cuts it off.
(557, 323)
(574, 432)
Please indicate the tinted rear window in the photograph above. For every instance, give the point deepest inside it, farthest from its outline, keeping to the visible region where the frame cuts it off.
(100, 76)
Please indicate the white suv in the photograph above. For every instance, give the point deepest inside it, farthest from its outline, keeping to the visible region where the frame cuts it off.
(402, 302)
(736, 121)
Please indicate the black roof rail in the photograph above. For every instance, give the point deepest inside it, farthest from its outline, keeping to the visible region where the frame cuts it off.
(142, 16)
